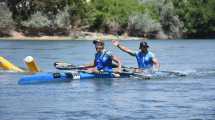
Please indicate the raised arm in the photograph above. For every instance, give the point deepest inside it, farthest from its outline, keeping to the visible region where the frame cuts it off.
(123, 48)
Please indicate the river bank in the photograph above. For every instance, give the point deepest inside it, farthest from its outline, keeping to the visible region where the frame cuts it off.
(74, 36)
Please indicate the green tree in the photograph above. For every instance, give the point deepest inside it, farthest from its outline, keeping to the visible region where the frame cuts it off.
(114, 13)
(81, 13)
(197, 15)
(23, 9)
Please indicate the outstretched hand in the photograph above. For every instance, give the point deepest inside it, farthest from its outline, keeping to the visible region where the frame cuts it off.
(115, 42)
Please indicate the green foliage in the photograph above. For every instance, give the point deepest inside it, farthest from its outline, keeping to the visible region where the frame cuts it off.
(37, 20)
(6, 21)
(112, 16)
(198, 15)
(48, 6)
(114, 13)
(62, 19)
(23, 9)
(80, 12)
(143, 23)
(165, 12)
(170, 20)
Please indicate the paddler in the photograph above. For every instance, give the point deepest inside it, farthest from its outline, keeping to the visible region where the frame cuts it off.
(104, 59)
(146, 60)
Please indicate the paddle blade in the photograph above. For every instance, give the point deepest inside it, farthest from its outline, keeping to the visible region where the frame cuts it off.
(64, 66)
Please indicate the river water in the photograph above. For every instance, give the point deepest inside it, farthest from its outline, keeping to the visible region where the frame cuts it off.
(179, 98)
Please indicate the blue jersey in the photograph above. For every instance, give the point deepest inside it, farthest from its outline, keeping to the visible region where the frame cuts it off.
(103, 60)
(144, 61)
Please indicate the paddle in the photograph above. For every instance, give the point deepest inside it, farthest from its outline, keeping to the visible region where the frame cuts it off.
(126, 70)
(175, 73)
(163, 71)
(67, 66)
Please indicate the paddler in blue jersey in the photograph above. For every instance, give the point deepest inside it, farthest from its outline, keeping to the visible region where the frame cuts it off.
(104, 59)
(145, 59)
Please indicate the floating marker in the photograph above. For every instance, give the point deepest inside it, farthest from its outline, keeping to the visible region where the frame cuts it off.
(31, 64)
(7, 65)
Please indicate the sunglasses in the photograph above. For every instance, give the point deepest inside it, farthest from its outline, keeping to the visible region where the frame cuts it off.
(99, 47)
(143, 47)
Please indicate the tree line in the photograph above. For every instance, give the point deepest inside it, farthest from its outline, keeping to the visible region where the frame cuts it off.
(171, 18)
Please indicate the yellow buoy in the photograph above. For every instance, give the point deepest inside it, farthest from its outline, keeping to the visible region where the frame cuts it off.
(31, 64)
(7, 65)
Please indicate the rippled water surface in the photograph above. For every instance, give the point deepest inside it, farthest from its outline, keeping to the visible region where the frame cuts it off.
(179, 98)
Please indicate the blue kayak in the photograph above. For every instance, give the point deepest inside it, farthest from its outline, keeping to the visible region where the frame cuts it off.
(50, 77)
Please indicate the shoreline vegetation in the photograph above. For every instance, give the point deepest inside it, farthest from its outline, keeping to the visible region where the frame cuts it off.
(120, 19)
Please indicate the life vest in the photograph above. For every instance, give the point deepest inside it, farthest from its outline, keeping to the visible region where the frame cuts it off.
(103, 61)
(145, 61)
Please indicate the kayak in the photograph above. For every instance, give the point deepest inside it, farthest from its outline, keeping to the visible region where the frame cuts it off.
(52, 77)
(67, 76)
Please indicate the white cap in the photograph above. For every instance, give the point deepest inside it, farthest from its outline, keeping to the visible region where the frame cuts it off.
(29, 59)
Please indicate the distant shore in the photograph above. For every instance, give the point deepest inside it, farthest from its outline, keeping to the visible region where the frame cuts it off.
(80, 36)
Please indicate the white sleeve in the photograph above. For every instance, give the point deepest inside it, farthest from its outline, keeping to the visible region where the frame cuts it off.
(108, 52)
(152, 55)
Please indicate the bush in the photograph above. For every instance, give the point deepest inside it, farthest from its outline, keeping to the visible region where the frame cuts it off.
(165, 12)
(6, 21)
(38, 24)
(112, 15)
(38, 21)
(81, 12)
(170, 21)
(198, 17)
(62, 19)
(140, 24)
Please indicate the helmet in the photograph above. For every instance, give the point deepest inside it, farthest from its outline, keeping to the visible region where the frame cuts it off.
(143, 44)
(98, 42)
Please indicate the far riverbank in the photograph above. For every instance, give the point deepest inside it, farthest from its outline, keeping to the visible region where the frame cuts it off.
(75, 36)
